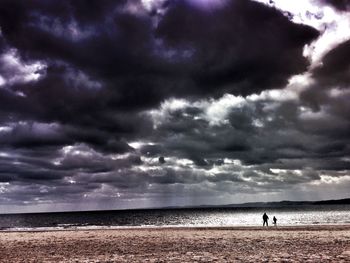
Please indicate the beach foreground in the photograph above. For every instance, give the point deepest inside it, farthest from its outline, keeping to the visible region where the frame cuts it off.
(291, 244)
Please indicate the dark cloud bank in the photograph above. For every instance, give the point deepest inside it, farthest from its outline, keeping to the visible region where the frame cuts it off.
(84, 87)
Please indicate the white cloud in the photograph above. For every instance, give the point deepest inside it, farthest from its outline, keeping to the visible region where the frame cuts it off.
(79, 150)
(216, 111)
(166, 108)
(14, 70)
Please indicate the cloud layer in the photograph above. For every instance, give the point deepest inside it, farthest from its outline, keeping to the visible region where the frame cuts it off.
(110, 104)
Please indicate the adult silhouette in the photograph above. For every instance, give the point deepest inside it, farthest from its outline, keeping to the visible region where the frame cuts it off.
(265, 219)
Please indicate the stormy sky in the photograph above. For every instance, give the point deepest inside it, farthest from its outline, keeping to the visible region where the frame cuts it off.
(152, 103)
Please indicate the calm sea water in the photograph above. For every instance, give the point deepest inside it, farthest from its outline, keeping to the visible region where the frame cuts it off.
(287, 216)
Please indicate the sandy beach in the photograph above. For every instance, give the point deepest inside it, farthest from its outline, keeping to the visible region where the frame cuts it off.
(281, 244)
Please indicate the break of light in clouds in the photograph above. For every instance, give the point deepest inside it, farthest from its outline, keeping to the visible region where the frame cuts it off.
(125, 104)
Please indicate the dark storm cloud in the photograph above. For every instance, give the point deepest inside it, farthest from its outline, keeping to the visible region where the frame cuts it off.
(26, 171)
(54, 168)
(133, 60)
(31, 135)
(82, 123)
(335, 67)
(246, 47)
(331, 91)
(102, 67)
(257, 133)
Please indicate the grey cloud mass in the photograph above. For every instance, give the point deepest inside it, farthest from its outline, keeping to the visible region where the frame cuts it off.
(341, 5)
(116, 104)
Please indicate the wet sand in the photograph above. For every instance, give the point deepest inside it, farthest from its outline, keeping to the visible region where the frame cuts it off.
(281, 244)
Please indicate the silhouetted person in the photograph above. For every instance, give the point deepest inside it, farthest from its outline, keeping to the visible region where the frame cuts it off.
(161, 160)
(265, 218)
(274, 221)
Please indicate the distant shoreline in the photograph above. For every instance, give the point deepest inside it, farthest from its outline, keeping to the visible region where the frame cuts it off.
(249, 205)
(315, 227)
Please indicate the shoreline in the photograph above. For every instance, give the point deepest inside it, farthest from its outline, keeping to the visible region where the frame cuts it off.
(314, 227)
(321, 243)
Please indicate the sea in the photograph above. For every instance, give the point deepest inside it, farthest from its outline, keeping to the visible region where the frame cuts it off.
(185, 217)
